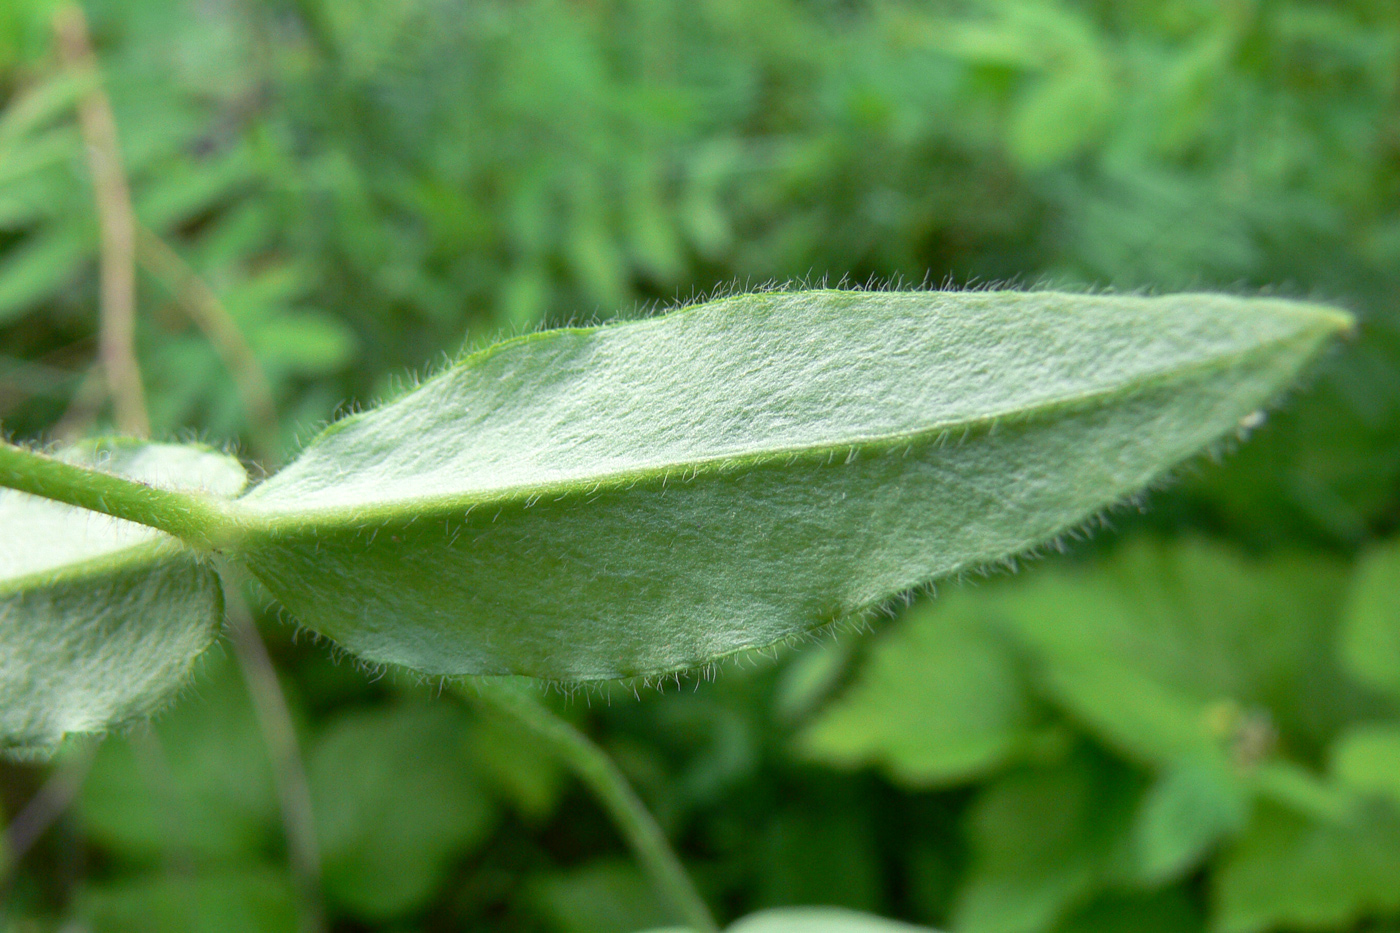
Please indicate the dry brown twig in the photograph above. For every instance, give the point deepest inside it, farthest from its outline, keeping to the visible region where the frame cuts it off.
(119, 375)
(202, 305)
(116, 224)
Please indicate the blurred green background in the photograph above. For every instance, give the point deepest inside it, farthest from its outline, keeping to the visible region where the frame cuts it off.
(1187, 722)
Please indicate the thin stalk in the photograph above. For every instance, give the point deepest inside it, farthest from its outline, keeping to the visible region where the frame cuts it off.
(275, 723)
(203, 306)
(41, 811)
(199, 520)
(83, 406)
(116, 225)
(592, 766)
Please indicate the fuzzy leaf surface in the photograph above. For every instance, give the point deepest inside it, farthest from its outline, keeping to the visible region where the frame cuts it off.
(651, 496)
(101, 619)
(812, 920)
(820, 920)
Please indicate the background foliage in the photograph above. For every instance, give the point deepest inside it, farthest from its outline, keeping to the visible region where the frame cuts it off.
(1190, 724)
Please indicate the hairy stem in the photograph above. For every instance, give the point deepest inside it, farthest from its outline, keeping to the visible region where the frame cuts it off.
(199, 520)
(116, 224)
(592, 766)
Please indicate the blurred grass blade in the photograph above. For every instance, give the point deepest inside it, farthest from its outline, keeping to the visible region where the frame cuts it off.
(651, 496)
(100, 619)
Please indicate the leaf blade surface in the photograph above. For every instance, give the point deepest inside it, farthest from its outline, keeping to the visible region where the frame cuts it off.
(650, 496)
(101, 619)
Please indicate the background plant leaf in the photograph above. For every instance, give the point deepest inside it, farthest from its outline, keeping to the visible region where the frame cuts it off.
(1292, 872)
(1020, 882)
(1370, 636)
(941, 699)
(395, 798)
(231, 901)
(196, 788)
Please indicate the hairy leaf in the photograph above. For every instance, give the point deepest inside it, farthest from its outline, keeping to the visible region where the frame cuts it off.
(100, 619)
(650, 496)
(812, 920)
(820, 920)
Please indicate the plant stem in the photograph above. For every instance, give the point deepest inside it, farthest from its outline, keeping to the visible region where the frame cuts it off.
(203, 306)
(116, 225)
(592, 766)
(289, 774)
(40, 812)
(199, 520)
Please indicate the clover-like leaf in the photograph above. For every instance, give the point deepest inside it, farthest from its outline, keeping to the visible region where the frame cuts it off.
(101, 619)
(650, 496)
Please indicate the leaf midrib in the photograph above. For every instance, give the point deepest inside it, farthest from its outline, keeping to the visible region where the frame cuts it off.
(274, 523)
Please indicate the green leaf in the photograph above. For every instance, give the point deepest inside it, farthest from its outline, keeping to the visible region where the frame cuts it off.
(820, 920)
(1296, 788)
(244, 901)
(1367, 758)
(1157, 650)
(100, 619)
(651, 496)
(1170, 910)
(196, 788)
(1187, 812)
(39, 266)
(1370, 639)
(812, 920)
(1060, 116)
(306, 343)
(518, 767)
(940, 699)
(1292, 873)
(1024, 881)
(395, 800)
(605, 896)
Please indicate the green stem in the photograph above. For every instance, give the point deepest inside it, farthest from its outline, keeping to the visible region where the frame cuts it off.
(592, 766)
(196, 519)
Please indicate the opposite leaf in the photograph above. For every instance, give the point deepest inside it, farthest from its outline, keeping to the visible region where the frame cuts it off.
(820, 920)
(651, 496)
(101, 619)
(812, 920)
